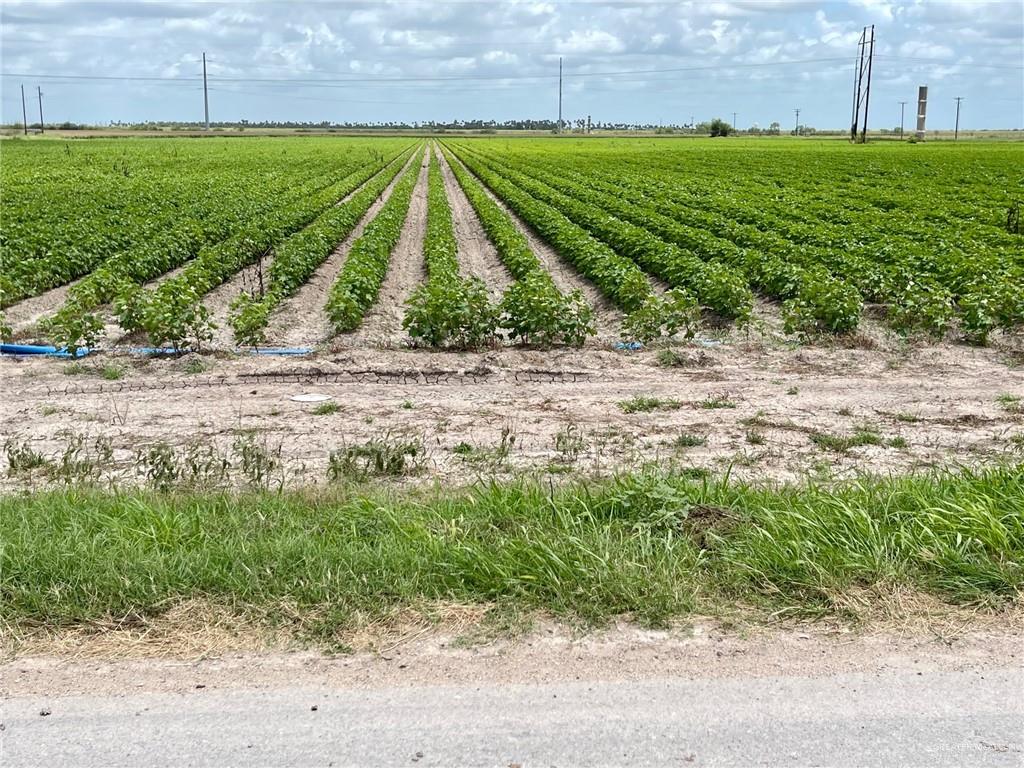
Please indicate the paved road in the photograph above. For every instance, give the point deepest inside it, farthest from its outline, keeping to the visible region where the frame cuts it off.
(971, 718)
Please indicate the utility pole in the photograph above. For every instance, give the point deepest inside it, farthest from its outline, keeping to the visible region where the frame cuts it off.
(206, 97)
(797, 131)
(734, 121)
(40, 108)
(24, 113)
(862, 85)
(902, 105)
(559, 94)
(956, 129)
(867, 91)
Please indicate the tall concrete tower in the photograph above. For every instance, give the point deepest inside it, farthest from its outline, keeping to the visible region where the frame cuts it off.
(922, 109)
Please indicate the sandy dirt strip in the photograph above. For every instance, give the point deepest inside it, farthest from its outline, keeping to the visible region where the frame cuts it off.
(751, 403)
(477, 255)
(382, 324)
(301, 319)
(607, 316)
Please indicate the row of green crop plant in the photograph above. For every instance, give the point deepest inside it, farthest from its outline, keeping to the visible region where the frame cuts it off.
(120, 276)
(648, 314)
(718, 288)
(303, 253)
(533, 310)
(172, 313)
(925, 288)
(813, 299)
(452, 311)
(925, 284)
(71, 207)
(933, 197)
(922, 289)
(157, 232)
(358, 283)
(447, 310)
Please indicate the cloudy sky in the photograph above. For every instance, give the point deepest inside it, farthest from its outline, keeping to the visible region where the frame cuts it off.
(405, 60)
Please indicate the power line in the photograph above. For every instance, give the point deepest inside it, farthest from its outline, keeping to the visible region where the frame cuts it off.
(448, 78)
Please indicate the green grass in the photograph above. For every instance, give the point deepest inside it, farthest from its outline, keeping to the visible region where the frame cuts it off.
(652, 546)
(112, 372)
(843, 443)
(645, 403)
(326, 408)
(1010, 403)
(686, 440)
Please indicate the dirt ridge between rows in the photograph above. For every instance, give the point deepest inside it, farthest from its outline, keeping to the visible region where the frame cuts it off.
(607, 317)
(476, 253)
(301, 319)
(218, 301)
(23, 315)
(382, 324)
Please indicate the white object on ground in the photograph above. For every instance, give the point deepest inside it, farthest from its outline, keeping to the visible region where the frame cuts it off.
(310, 397)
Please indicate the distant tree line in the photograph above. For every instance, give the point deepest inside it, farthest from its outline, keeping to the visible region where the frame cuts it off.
(715, 127)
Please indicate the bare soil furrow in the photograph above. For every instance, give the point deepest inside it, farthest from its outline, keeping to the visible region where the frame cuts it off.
(24, 316)
(607, 316)
(477, 255)
(382, 326)
(252, 279)
(301, 320)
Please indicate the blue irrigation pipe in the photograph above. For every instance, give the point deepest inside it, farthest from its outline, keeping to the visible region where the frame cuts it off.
(48, 351)
(35, 349)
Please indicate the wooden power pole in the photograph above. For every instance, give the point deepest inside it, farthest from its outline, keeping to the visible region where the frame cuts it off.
(559, 94)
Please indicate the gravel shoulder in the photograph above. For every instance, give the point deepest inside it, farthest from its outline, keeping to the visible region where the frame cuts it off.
(622, 697)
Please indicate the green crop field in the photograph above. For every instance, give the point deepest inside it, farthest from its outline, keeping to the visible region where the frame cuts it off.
(672, 232)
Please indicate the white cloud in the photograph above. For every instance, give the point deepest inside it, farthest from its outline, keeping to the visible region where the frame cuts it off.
(918, 41)
(921, 50)
(590, 41)
(881, 10)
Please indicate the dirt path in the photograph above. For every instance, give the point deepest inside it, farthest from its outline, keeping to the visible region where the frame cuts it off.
(250, 279)
(382, 325)
(477, 255)
(23, 316)
(301, 320)
(607, 316)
